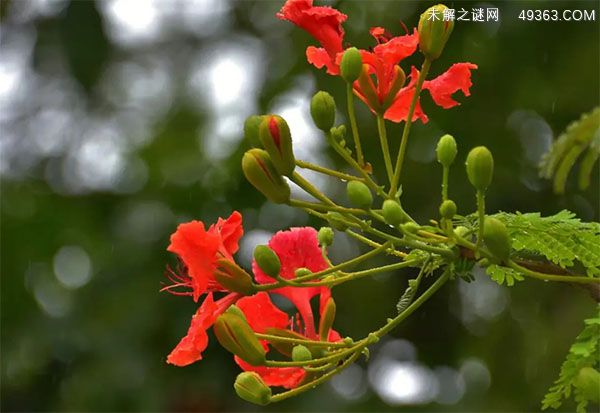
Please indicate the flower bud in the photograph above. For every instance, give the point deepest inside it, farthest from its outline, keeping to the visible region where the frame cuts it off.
(275, 136)
(446, 150)
(301, 353)
(235, 310)
(588, 383)
(368, 90)
(410, 228)
(398, 80)
(322, 110)
(393, 213)
(326, 321)
(235, 335)
(267, 260)
(261, 173)
(337, 221)
(480, 167)
(434, 31)
(351, 65)
(448, 209)
(325, 236)
(301, 272)
(251, 387)
(359, 194)
(496, 238)
(233, 277)
(251, 126)
(339, 133)
(461, 231)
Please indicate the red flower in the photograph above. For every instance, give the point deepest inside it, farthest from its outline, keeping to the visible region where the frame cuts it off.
(324, 24)
(262, 315)
(199, 250)
(296, 248)
(190, 347)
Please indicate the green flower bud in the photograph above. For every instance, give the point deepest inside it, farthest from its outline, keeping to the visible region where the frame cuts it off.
(325, 236)
(448, 209)
(434, 31)
(251, 387)
(393, 213)
(267, 260)
(301, 353)
(496, 238)
(337, 221)
(410, 228)
(235, 310)
(261, 173)
(359, 194)
(480, 167)
(322, 110)
(446, 150)
(233, 277)
(398, 80)
(275, 136)
(339, 133)
(351, 65)
(588, 383)
(461, 231)
(327, 317)
(251, 126)
(301, 272)
(235, 335)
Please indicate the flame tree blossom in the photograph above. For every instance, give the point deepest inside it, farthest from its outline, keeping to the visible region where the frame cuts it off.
(199, 249)
(382, 63)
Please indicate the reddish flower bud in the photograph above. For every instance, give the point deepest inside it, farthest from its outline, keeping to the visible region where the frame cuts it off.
(233, 277)
(261, 173)
(235, 335)
(434, 31)
(251, 387)
(276, 138)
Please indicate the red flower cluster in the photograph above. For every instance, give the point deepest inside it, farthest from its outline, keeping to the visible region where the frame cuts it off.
(324, 24)
(199, 250)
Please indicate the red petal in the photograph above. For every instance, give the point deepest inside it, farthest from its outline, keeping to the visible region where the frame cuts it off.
(197, 248)
(397, 48)
(288, 377)
(319, 57)
(230, 230)
(261, 313)
(323, 23)
(398, 111)
(190, 347)
(458, 77)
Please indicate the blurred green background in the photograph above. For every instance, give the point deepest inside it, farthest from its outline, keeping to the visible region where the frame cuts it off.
(121, 118)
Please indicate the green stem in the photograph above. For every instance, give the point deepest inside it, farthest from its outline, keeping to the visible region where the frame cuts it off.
(305, 204)
(353, 125)
(416, 304)
(552, 277)
(327, 171)
(346, 156)
(407, 125)
(312, 384)
(274, 338)
(374, 244)
(385, 147)
(481, 219)
(445, 174)
(310, 188)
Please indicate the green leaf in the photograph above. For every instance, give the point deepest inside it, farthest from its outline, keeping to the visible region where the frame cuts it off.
(585, 352)
(503, 275)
